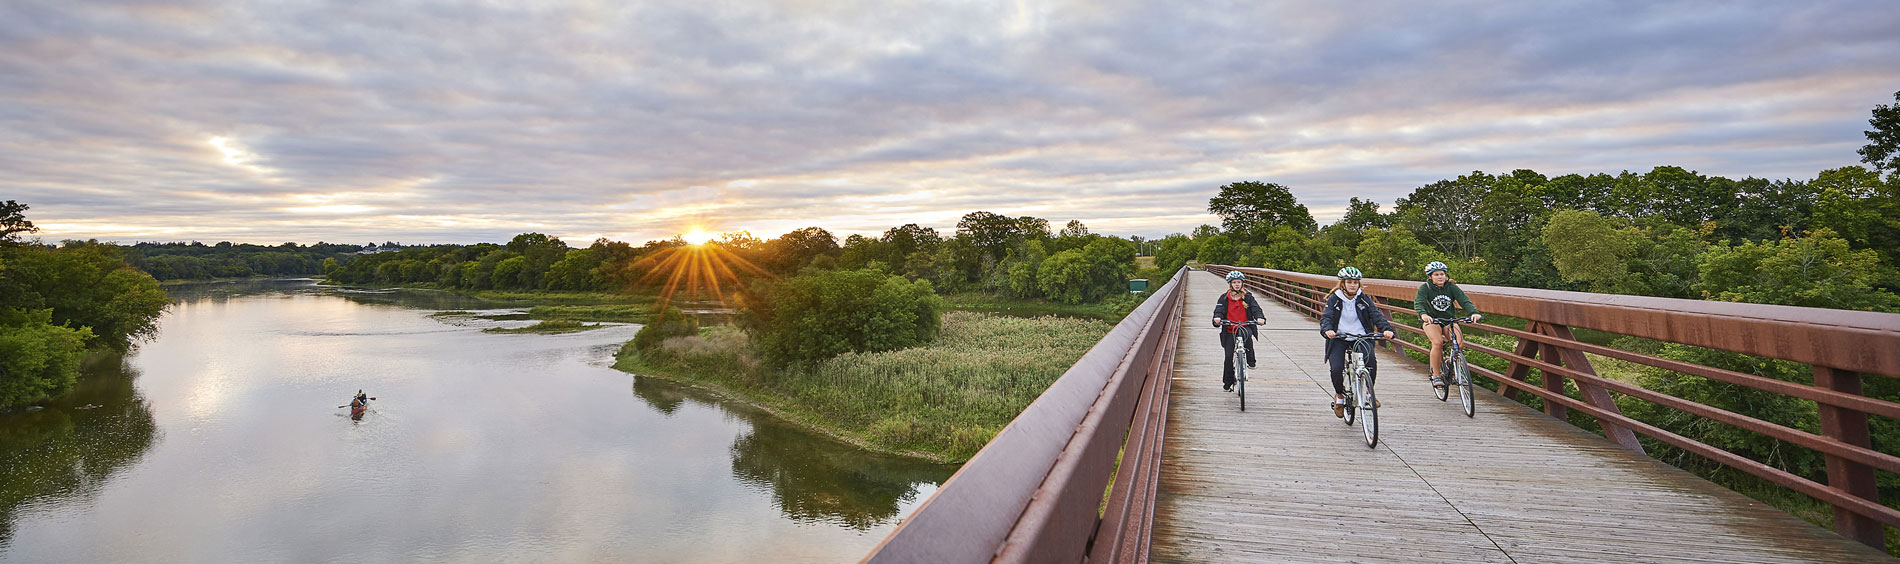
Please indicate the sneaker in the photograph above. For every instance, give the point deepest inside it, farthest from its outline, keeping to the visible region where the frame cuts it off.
(1249, 364)
(1438, 382)
(1227, 387)
(1376, 403)
(1339, 408)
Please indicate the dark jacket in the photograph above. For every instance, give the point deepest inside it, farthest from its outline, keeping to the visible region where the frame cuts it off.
(1220, 307)
(1370, 317)
(1369, 314)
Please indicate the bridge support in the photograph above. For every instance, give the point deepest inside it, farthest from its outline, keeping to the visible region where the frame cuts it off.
(1854, 478)
(1574, 360)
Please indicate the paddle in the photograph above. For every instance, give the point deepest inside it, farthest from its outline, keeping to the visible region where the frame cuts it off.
(343, 406)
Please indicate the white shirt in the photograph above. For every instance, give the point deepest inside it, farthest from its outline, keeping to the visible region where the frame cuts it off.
(1349, 323)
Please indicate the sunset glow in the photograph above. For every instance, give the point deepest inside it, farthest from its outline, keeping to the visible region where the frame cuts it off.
(697, 237)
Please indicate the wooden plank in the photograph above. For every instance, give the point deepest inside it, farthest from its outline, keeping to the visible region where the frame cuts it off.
(1285, 481)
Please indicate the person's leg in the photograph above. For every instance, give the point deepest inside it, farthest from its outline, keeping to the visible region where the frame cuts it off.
(1438, 347)
(1336, 367)
(1227, 360)
(1250, 348)
(1371, 361)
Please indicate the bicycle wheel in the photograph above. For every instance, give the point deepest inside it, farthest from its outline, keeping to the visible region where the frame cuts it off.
(1369, 414)
(1352, 407)
(1464, 386)
(1240, 375)
(1445, 376)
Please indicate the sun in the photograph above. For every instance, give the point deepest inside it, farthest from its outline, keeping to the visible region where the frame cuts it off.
(697, 237)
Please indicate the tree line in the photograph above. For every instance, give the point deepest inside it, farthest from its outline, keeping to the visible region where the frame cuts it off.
(198, 261)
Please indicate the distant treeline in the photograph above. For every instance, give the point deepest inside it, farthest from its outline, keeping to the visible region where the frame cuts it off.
(1016, 256)
(198, 261)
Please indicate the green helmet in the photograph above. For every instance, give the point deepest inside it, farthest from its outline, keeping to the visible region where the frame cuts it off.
(1350, 273)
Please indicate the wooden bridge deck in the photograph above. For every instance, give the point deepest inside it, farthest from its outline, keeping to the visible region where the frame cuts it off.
(1285, 481)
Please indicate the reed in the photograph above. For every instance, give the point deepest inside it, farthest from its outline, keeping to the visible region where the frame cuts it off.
(945, 400)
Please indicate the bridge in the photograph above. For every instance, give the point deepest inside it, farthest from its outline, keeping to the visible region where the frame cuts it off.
(1136, 455)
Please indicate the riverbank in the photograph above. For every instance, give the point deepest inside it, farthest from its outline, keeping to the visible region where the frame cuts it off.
(940, 402)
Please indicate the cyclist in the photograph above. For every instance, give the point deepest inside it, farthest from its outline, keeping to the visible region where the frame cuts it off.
(1338, 320)
(1434, 301)
(1237, 305)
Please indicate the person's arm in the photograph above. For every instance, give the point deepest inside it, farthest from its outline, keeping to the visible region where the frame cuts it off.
(1253, 310)
(1418, 304)
(1220, 309)
(1464, 302)
(1329, 317)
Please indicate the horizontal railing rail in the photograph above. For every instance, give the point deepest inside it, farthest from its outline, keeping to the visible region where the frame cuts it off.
(1840, 345)
(1033, 493)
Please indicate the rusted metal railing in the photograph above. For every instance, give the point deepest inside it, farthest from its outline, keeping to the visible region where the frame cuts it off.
(1840, 345)
(1032, 494)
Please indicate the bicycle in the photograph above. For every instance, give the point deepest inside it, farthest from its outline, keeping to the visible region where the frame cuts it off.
(1453, 369)
(1360, 401)
(1240, 359)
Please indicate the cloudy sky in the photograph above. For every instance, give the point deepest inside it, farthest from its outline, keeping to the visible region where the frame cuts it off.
(359, 121)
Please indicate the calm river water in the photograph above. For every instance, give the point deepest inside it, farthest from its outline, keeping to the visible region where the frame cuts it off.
(221, 441)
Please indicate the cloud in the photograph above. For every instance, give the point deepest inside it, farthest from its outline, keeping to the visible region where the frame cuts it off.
(423, 121)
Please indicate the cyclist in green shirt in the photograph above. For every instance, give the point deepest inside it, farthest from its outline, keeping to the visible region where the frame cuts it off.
(1435, 300)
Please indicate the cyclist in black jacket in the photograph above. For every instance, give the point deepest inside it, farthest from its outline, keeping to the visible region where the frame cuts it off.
(1337, 320)
(1236, 304)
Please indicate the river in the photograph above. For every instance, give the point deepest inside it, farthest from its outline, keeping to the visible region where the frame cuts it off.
(221, 441)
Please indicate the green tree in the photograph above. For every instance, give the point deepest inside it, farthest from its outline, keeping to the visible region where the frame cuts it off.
(1174, 251)
(578, 270)
(1250, 210)
(85, 284)
(1817, 270)
(38, 359)
(666, 322)
(1393, 253)
(1445, 213)
(1219, 249)
(13, 222)
(1587, 247)
(510, 273)
(994, 234)
(824, 313)
(1883, 141)
(1854, 203)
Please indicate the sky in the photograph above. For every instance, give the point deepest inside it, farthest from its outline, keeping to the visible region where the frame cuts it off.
(447, 122)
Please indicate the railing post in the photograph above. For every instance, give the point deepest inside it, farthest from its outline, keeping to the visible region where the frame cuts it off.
(1592, 393)
(1854, 478)
(1519, 372)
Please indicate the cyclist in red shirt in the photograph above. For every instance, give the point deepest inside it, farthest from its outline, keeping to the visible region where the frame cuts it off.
(1236, 304)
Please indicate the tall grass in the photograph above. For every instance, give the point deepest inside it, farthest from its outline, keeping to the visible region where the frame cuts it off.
(946, 399)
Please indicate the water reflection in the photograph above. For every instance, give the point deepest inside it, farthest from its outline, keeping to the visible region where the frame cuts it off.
(811, 478)
(67, 450)
(824, 481)
(664, 397)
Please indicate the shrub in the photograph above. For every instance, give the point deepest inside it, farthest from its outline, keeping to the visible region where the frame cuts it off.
(821, 314)
(665, 322)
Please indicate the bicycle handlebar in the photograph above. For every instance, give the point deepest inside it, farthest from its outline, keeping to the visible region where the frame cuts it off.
(1356, 338)
(1452, 320)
